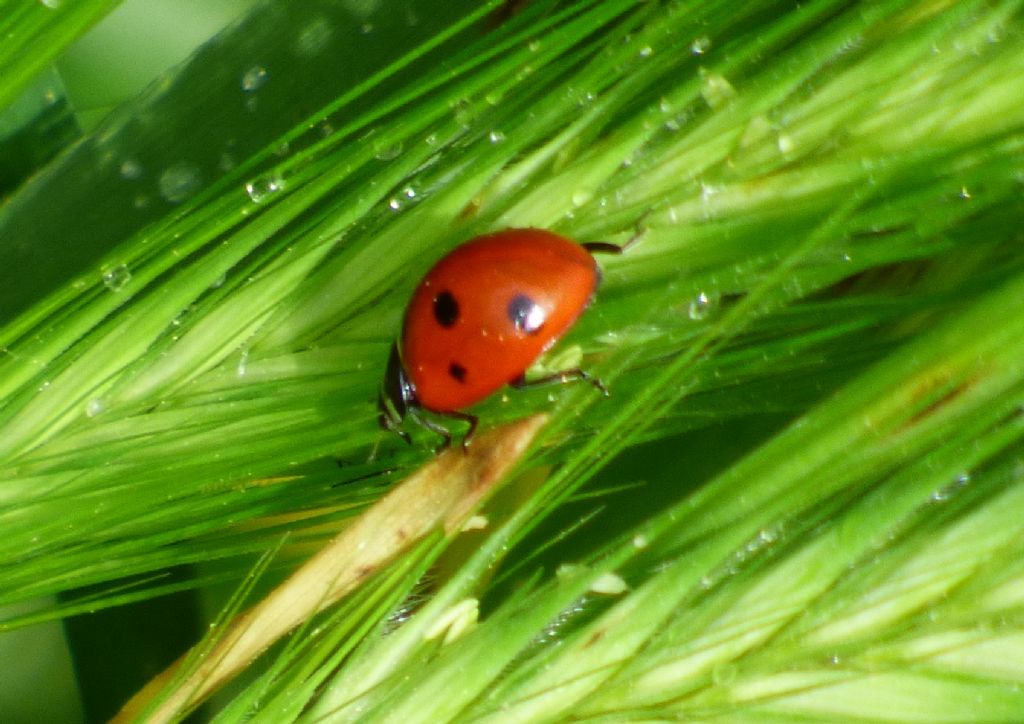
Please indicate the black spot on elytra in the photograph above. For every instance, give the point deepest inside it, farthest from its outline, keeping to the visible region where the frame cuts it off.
(524, 314)
(457, 371)
(446, 309)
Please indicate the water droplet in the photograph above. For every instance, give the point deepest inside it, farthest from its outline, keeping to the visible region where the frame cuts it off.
(701, 305)
(496, 136)
(674, 124)
(708, 191)
(463, 111)
(609, 584)
(116, 277)
(394, 204)
(94, 407)
(716, 90)
(243, 363)
(130, 169)
(854, 42)
(387, 151)
(533, 46)
(179, 182)
(254, 78)
(581, 96)
(965, 194)
(581, 196)
(646, 51)
(765, 538)
(700, 45)
(785, 143)
(51, 4)
(946, 492)
(261, 188)
(314, 37)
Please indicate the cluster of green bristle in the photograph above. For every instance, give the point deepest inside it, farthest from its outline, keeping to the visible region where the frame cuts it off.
(814, 353)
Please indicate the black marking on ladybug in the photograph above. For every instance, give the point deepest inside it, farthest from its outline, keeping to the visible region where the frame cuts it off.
(525, 314)
(457, 372)
(446, 309)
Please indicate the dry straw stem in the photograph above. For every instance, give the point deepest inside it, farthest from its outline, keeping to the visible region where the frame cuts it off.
(442, 494)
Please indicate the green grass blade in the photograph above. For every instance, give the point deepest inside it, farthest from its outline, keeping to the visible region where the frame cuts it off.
(828, 289)
(35, 34)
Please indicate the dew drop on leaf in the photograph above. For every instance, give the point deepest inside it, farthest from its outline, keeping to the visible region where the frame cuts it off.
(314, 37)
(260, 189)
(700, 45)
(116, 277)
(254, 78)
(701, 305)
(179, 182)
(130, 169)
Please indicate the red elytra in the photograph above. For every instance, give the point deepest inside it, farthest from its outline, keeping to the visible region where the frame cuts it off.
(481, 317)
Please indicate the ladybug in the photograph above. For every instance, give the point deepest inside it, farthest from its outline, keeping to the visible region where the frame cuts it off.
(480, 317)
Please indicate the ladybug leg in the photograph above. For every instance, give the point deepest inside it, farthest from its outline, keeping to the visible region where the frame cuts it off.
(439, 429)
(465, 417)
(603, 247)
(606, 247)
(434, 427)
(390, 421)
(561, 377)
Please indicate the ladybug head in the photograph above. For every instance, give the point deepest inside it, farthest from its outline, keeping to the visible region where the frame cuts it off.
(397, 395)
